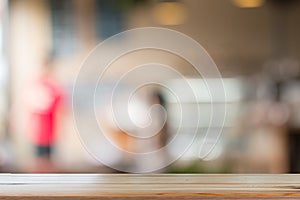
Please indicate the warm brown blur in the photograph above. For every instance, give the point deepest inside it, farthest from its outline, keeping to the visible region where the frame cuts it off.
(254, 43)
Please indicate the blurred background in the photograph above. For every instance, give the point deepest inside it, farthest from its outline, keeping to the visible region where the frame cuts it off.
(254, 43)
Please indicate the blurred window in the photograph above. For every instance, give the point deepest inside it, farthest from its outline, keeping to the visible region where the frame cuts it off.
(109, 18)
(64, 40)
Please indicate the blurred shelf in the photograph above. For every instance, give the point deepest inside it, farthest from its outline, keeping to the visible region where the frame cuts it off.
(151, 186)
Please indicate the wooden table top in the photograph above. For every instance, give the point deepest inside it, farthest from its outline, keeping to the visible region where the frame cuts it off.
(150, 186)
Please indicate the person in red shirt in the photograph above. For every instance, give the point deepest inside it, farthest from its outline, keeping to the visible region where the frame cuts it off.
(44, 104)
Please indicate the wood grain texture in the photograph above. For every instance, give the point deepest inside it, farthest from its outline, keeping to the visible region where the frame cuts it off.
(150, 186)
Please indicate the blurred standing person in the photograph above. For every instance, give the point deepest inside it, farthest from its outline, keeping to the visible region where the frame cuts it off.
(44, 106)
(154, 137)
(158, 98)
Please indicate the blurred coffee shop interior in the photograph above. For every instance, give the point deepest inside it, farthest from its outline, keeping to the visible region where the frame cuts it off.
(254, 43)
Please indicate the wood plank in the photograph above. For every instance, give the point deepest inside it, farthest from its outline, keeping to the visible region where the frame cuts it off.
(149, 186)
